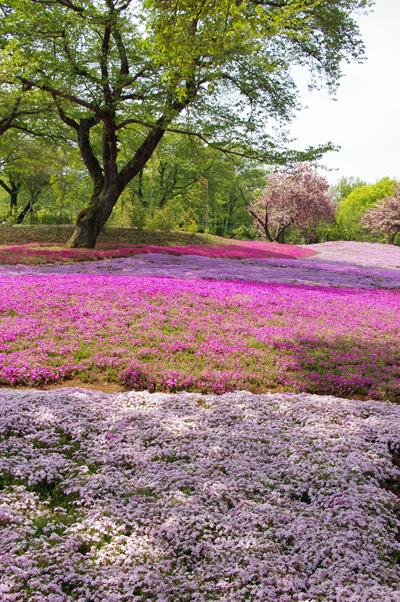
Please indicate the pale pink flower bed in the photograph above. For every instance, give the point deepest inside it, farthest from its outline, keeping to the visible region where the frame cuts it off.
(360, 253)
(139, 497)
(299, 271)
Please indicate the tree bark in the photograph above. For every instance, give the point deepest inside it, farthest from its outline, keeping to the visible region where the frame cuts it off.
(109, 186)
(92, 219)
(25, 211)
(12, 189)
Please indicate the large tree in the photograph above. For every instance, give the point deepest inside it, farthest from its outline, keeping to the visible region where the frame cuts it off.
(218, 70)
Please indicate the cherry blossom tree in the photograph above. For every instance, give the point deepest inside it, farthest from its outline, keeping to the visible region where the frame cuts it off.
(385, 217)
(292, 199)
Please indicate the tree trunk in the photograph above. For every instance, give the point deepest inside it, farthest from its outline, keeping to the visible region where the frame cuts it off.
(91, 220)
(25, 211)
(14, 199)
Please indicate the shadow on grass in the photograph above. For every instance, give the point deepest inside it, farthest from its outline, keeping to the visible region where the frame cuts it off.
(344, 367)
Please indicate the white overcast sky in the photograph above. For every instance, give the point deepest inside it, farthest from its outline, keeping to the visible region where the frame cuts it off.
(364, 120)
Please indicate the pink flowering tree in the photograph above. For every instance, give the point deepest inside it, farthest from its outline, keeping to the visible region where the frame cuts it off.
(385, 217)
(292, 199)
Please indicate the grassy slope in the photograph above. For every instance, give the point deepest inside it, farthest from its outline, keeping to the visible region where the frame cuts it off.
(112, 236)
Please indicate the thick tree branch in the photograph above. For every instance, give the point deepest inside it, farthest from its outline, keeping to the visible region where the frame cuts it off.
(71, 97)
(87, 154)
(105, 49)
(5, 186)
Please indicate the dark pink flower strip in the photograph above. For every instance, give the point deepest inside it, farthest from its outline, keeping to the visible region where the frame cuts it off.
(173, 334)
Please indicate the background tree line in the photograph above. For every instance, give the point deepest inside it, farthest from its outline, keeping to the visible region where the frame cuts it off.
(164, 114)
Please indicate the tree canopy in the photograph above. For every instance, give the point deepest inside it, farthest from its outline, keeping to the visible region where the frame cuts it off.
(121, 73)
(294, 199)
(385, 217)
(353, 207)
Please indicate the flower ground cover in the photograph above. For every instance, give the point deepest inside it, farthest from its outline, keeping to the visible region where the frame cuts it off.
(361, 253)
(301, 271)
(189, 497)
(174, 334)
(33, 254)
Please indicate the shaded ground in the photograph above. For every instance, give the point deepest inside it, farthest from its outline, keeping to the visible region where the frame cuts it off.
(188, 497)
(60, 234)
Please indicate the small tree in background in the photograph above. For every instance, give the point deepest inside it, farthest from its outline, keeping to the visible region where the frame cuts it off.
(297, 199)
(353, 207)
(385, 218)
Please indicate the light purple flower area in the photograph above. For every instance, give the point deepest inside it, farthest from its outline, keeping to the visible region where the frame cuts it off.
(360, 253)
(134, 497)
(297, 271)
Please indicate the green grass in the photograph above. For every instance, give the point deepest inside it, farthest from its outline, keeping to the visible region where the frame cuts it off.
(111, 236)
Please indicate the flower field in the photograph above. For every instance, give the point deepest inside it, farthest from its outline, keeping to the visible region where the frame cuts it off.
(291, 271)
(361, 253)
(186, 497)
(192, 483)
(36, 254)
(169, 334)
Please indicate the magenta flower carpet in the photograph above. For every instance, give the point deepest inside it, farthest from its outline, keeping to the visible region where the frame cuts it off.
(34, 253)
(203, 486)
(166, 334)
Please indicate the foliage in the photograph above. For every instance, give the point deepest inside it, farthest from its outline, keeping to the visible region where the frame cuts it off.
(292, 199)
(351, 210)
(343, 188)
(385, 217)
(118, 72)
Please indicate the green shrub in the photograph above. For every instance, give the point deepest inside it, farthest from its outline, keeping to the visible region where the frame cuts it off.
(353, 207)
(244, 233)
(164, 219)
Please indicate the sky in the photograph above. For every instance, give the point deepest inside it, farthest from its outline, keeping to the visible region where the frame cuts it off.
(364, 120)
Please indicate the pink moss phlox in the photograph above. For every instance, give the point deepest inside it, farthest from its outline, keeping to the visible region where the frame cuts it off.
(172, 334)
(139, 497)
(35, 253)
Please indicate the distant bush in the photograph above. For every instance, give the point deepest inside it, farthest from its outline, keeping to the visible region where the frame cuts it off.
(351, 210)
(244, 233)
(50, 218)
(164, 219)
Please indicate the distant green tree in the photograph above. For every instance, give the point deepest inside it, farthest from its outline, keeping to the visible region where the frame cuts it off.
(343, 188)
(351, 210)
(198, 185)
